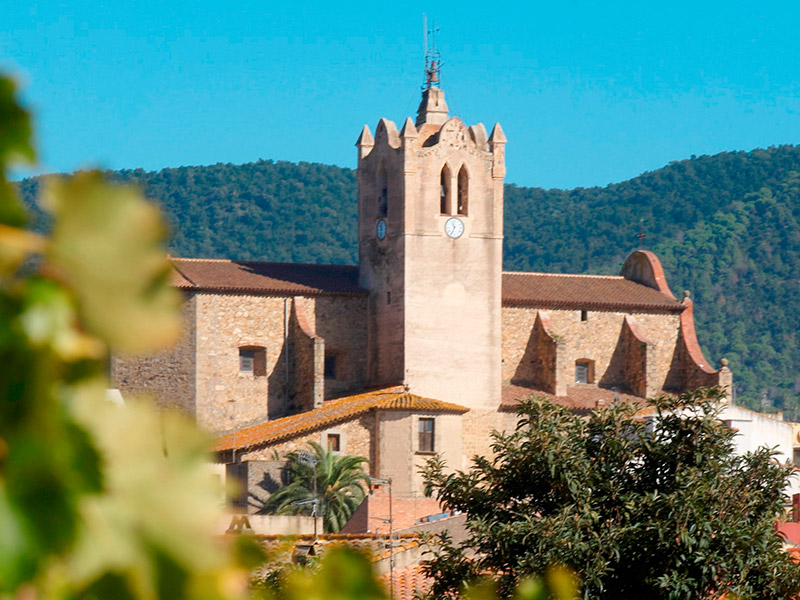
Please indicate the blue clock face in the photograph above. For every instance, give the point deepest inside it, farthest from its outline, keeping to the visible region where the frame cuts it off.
(380, 229)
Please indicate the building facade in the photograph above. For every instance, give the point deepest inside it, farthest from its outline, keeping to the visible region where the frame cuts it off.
(426, 345)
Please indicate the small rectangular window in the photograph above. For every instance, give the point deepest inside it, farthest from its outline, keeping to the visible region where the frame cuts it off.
(426, 431)
(330, 366)
(246, 360)
(582, 372)
(253, 361)
(334, 442)
(584, 315)
(388, 297)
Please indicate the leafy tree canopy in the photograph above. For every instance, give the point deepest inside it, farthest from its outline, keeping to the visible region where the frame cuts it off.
(638, 509)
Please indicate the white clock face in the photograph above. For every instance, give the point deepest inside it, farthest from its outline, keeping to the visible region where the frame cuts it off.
(380, 229)
(454, 227)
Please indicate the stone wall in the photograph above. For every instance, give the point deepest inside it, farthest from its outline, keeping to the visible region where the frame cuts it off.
(341, 322)
(638, 360)
(294, 333)
(167, 376)
(226, 397)
(599, 339)
(307, 361)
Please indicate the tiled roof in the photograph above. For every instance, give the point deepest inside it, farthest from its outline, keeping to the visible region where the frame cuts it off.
(579, 397)
(609, 292)
(408, 581)
(544, 290)
(264, 277)
(332, 411)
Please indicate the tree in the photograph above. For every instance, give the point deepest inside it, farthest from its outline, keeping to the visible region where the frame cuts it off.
(340, 486)
(638, 509)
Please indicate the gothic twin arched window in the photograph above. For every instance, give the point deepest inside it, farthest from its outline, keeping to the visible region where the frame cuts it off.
(446, 196)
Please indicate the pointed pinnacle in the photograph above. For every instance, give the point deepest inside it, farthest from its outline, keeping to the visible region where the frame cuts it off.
(497, 136)
(365, 139)
(408, 131)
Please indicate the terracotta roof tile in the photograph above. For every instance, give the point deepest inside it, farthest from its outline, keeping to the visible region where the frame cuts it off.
(549, 290)
(544, 290)
(408, 581)
(579, 397)
(265, 278)
(332, 411)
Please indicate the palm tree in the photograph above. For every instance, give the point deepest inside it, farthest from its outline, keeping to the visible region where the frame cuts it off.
(341, 484)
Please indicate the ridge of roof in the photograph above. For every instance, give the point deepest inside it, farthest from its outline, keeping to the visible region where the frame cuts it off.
(331, 412)
(581, 275)
(262, 262)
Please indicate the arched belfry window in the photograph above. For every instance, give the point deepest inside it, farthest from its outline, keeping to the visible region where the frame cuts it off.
(383, 192)
(463, 191)
(445, 194)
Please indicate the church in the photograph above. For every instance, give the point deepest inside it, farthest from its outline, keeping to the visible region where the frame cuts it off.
(426, 345)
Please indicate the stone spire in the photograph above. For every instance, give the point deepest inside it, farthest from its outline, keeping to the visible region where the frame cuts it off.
(433, 108)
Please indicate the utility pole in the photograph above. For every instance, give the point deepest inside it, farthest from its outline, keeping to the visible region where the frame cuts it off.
(390, 522)
(312, 461)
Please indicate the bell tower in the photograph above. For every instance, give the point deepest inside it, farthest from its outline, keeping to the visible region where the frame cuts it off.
(430, 227)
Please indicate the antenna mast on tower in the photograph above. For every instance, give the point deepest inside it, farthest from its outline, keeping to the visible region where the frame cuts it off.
(433, 62)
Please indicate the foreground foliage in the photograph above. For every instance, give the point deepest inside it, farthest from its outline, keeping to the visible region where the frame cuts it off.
(658, 509)
(96, 500)
(340, 487)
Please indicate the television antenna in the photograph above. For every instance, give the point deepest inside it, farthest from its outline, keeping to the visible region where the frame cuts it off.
(433, 60)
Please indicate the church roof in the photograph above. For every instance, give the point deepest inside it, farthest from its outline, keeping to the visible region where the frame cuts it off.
(330, 413)
(545, 290)
(597, 292)
(255, 277)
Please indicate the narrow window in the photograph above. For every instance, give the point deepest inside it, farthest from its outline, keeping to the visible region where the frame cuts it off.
(247, 360)
(584, 371)
(584, 315)
(383, 193)
(331, 366)
(444, 192)
(334, 442)
(426, 431)
(463, 191)
(388, 297)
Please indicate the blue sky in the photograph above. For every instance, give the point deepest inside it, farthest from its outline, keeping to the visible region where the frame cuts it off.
(588, 93)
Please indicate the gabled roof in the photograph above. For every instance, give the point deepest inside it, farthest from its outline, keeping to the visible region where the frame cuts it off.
(330, 413)
(255, 277)
(597, 292)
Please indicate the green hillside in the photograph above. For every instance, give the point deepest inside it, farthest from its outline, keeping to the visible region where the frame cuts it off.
(726, 227)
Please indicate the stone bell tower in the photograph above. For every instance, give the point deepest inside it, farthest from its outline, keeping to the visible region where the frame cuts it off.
(430, 226)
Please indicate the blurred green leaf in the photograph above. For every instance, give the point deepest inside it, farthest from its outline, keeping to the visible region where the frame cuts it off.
(108, 244)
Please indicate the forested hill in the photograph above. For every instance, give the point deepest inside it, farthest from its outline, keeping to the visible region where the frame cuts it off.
(726, 227)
